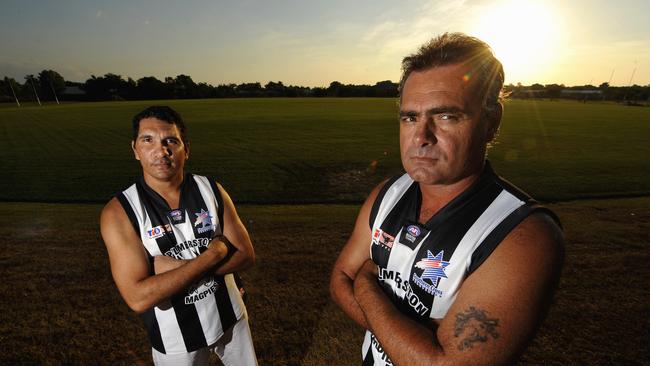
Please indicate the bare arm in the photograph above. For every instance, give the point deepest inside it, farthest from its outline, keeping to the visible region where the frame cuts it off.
(234, 232)
(498, 309)
(354, 254)
(130, 266)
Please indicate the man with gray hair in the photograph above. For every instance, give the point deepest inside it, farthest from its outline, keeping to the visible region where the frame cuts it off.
(448, 263)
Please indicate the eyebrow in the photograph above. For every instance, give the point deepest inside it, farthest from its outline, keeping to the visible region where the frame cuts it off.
(164, 137)
(432, 111)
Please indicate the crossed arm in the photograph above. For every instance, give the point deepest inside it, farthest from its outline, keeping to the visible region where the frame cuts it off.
(131, 269)
(496, 313)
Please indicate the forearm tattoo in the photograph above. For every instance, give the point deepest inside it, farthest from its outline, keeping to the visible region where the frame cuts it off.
(474, 326)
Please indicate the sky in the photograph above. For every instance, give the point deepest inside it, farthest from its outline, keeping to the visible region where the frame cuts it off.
(312, 43)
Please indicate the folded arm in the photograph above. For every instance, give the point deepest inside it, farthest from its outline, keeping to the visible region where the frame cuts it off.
(130, 266)
(497, 311)
(352, 257)
(235, 236)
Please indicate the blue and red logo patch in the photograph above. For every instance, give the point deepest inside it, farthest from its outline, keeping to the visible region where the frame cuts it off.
(434, 270)
(413, 230)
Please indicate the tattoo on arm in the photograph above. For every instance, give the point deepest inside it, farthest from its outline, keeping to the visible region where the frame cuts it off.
(474, 326)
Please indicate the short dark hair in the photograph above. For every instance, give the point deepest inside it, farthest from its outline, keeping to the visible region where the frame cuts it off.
(163, 113)
(457, 48)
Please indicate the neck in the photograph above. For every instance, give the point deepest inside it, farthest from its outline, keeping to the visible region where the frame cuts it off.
(168, 189)
(437, 196)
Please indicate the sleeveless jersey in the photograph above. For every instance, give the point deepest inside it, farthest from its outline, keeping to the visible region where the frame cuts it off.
(199, 315)
(422, 266)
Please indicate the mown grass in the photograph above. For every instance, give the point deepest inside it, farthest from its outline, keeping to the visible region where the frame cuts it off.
(315, 150)
(60, 306)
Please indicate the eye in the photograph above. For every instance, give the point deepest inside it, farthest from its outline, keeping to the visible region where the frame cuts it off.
(407, 119)
(447, 117)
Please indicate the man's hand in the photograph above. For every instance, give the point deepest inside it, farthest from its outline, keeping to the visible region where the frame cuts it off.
(163, 263)
(218, 245)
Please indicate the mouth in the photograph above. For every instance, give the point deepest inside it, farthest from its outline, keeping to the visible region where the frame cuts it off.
(424, 159)
(162, 164)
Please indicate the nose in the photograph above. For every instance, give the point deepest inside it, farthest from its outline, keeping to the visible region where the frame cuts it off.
(425, 133)
(163, 149)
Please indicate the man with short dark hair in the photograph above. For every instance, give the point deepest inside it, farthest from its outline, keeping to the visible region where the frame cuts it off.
(174, 240)
(448, 263)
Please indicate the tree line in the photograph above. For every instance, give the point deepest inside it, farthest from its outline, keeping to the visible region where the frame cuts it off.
(49, 85)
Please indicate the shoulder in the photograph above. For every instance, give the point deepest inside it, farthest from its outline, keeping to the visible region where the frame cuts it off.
(535, 246)
(113, 214)
(389, 189)
(540, 229)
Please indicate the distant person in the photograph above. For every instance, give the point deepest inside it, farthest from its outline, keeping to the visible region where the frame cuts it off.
(174, 240)
(448, 263)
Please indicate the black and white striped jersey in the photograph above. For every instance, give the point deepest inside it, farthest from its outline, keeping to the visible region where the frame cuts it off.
(198, 316)
(422, 265)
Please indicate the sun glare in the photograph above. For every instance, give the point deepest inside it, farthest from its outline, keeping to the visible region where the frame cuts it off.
(523, 35)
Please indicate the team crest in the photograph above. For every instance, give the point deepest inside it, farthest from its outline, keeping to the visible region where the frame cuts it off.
(177, 216)
(412, 233)
(434, 270)
(204, 219)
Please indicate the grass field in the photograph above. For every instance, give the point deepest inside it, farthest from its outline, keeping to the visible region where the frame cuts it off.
(316, 150)
(60, 306)
(58, 303)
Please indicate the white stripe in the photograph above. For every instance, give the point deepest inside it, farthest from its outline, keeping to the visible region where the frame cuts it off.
(171, 335)
(459, 263)
(390, 199)
(205, 310)
(235, 297)
(144, 222)
(365, 347)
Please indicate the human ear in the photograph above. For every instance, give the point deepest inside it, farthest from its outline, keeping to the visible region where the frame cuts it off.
(135, 152)
(494, 121)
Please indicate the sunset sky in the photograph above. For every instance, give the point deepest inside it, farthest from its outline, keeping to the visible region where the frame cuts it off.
(312, 43)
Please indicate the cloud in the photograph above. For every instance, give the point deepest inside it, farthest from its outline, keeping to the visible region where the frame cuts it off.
(397, 35)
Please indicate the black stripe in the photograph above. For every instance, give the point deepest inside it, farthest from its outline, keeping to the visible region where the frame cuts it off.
(497, 235)
(369, 360)
(217, 195)
(224, 305)
(379, 198)
(189, 324)
(151, 324)
(121, 197)
(154, 205)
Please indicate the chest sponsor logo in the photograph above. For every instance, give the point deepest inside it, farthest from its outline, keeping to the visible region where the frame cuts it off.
(383, 239)
(199, 291)
(399, 283)
(434, 270)
(188, 249)
(177, 216)
(204, 219)
(157, 232)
